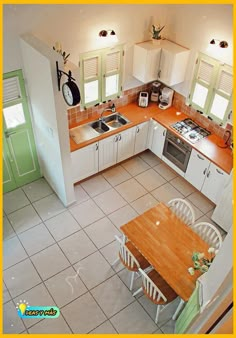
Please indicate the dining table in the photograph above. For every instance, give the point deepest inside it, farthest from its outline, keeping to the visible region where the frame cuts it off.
(168, 245)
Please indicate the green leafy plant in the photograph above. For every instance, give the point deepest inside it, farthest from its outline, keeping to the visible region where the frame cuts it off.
(156, 30)
(58, 49)
(200, 262)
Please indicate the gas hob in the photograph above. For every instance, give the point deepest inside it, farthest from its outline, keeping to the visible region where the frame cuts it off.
(190, 130)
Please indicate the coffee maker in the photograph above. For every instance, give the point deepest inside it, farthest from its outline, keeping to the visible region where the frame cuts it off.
(155, 92)
(166, 98)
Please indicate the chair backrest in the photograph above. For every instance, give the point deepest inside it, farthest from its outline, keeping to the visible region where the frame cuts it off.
(151, 289)
(126, 256)
(183, 210)
(209, 233)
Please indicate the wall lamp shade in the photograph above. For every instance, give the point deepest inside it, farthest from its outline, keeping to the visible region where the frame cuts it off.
(109, 34)
(222, 44)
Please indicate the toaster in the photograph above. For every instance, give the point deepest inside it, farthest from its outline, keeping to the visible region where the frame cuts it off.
(143, 99)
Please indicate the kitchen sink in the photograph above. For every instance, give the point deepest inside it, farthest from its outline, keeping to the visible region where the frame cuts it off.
(91, 130)
(115, 120)
(99, 126)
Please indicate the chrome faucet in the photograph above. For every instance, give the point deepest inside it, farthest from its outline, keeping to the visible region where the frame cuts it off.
(112, 109)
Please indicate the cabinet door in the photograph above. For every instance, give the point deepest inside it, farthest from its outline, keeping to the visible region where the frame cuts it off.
(158, 139)
(141, 137)
(85, 162)
(146, 61)
(214, 183)
(107, 152)
(126, 141)
(197, 169)
(173, 63)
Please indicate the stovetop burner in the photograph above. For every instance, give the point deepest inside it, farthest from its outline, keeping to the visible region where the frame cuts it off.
(190, 130)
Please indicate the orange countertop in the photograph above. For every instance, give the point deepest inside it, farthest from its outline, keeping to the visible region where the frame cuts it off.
(222, 157)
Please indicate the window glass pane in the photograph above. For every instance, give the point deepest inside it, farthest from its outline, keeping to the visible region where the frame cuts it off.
(91, 91)
(112, 84)
(200, 95)
(219, 106)
(14, 115)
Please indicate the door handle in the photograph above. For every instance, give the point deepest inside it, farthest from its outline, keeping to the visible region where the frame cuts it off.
(137, 130)
(219, 172)
(208, 174)
(119, 137)
(204, 172)
(96, 146)
(201, 158)
(9, 133)
(116, 138)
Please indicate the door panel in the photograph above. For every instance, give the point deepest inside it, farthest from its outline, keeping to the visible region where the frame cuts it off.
(9, 182)
(20, 157)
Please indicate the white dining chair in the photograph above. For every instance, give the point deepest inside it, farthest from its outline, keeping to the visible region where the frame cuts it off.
(131, 258)
(183, 210)
(157, 290)
(209, 233)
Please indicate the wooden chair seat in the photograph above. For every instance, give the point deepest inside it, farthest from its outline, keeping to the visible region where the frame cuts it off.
(163, 286)
(143, 263)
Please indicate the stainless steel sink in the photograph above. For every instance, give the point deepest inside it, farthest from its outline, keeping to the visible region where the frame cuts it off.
(93, 129)
(99, 126)
(115, 120)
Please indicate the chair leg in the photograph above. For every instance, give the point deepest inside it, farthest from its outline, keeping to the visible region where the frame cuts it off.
(157, 314)
(137, 292)
(179, 308)
(117, 259)
(132, 280)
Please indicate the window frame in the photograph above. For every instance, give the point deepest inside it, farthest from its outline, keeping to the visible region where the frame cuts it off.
(102, 55)
(218, 68)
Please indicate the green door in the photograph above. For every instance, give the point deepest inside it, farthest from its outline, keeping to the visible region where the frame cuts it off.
(20, 162)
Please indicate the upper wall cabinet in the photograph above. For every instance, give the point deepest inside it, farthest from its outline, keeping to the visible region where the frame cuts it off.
(166, 62)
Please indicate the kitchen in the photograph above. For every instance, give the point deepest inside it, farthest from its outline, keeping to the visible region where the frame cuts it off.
(51, 124)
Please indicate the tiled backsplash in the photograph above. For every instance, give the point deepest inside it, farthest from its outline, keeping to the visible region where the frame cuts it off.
(131, 95)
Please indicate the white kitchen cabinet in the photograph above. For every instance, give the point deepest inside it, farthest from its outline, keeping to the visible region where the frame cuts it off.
(173, 63)
(205, 176)
(108, 152)
(166, 62)
(146, 61)
(158, 138)
(197, 169)
(141, 137)
(84, 162)
(126, 140)
(214, 183)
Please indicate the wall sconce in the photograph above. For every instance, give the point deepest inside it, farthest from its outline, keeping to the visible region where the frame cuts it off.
(222, 44)
(109, 34)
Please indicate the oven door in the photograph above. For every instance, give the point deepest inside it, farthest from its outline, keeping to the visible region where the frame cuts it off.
(176, 154)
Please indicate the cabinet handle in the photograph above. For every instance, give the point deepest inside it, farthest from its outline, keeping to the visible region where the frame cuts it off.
(116, 138)
(204, 172)
(219, 172)
(119, 137)
(208, 174)
(96, 147)
(159, 73)
(137, 130)
(164, 132)
(200, 158)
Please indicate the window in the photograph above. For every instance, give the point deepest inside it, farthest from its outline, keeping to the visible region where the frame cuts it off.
(212, 86)
(14, 100)
(101, 75)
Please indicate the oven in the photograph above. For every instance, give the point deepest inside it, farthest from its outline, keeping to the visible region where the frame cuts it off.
(177, 151)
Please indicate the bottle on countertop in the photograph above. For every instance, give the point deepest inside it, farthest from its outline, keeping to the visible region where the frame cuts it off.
(113, 108)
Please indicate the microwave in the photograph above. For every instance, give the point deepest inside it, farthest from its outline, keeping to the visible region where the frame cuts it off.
(143, 99)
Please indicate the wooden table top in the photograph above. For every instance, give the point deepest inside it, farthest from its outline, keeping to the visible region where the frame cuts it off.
(168, 244)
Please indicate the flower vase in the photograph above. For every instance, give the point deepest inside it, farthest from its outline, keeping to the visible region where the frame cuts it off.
(156, 41)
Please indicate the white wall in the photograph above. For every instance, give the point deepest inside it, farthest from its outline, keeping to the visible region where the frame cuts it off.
(49, 116)
(77, 27)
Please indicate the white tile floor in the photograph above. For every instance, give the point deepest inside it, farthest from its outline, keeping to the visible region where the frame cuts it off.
(62, 256)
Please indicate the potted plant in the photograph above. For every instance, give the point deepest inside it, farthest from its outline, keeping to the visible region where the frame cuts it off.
(156, 30)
